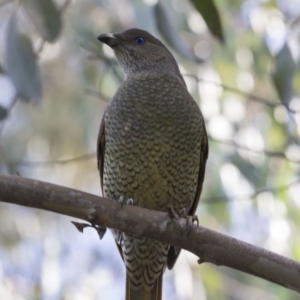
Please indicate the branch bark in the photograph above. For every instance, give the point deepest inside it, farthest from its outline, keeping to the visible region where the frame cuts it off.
(210, 246)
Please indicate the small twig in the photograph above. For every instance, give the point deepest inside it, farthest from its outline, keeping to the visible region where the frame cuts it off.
(54, 162)
(99, 229)
(95, 54)
(80, 226)
(97, 94)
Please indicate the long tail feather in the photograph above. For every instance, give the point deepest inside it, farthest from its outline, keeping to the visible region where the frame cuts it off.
(142, 294)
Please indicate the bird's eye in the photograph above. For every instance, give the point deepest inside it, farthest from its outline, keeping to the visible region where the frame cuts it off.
(140, 40)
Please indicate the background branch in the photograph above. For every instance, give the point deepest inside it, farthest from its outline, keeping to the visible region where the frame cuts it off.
(267, 152)
(87, 156)
(216, 199)
(249, 96)
(209, 245)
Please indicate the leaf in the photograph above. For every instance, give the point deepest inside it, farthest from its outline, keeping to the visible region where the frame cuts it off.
(171, 35)
(211, 16)
(283, 74)
(21, 65)
(45, 17)
(3, 113)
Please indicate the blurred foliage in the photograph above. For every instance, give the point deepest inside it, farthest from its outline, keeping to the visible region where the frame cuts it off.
(283, 74)
(20, 63)
(211, 17)
(45, 17)
(248, 89)
(3, 113)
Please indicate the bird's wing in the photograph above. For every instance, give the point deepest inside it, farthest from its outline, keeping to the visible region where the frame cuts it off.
(100, 151)
(174, 251)
(100, 158)
(203, 159)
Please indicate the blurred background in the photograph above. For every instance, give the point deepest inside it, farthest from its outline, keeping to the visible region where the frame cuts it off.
(240, 60)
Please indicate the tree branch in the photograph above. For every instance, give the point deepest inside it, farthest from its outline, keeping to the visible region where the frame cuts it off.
(210, 246)
(250, 96)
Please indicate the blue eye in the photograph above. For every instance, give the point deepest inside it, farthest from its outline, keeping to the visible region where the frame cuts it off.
(140, 40)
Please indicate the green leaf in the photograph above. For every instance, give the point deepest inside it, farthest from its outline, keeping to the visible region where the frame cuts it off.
(170, 34)
(3, 113)
(21, 65)
(283, 74)
(211, 16)
(45, 17)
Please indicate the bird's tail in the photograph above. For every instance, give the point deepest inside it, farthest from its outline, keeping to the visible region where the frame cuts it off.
(141, 294)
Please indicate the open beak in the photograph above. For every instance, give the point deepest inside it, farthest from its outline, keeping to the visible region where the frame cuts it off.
(109, 39)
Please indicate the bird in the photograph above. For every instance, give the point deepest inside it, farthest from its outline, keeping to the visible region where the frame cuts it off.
(152, 148)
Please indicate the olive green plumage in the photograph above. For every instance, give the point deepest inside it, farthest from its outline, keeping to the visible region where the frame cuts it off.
(152, 147)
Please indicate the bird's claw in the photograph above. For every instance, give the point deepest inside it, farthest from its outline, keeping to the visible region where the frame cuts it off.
(128, 201)
(190, 220)
(200, 261)
(195, 219)
(182, 212)
(80, 226)
(121, 201)
(171, 213)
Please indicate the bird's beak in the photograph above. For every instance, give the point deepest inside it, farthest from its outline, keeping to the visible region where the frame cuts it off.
(109, 39)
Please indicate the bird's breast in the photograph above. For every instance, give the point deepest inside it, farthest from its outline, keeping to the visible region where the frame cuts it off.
(153, 132)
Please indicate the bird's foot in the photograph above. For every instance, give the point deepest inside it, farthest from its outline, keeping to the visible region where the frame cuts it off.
(182, 212)
(200, 261)
(190, 220)
(121, 201)
(171, 213)
(101, 229)
(128, 201)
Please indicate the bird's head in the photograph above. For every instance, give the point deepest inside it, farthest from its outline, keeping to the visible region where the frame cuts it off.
(138, 51)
